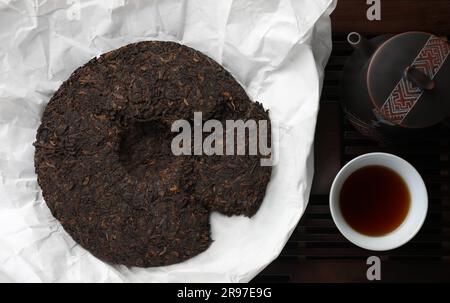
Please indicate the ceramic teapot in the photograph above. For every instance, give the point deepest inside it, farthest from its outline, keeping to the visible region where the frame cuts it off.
(396, 85)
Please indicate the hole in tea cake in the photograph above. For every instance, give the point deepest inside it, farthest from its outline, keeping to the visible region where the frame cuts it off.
(142, 144)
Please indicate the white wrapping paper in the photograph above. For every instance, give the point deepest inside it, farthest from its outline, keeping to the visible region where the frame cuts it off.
(276, 49)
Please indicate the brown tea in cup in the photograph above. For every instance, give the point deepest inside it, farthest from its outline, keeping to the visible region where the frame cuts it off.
(374, 200)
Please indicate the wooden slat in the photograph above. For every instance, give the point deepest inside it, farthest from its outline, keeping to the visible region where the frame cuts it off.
(338, 271)
(333, 238)
(352, 251)
(397, 16)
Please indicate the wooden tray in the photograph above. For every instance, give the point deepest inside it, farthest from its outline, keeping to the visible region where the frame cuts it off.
(317, 252)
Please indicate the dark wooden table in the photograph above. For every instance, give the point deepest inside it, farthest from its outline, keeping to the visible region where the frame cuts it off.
(317, 252)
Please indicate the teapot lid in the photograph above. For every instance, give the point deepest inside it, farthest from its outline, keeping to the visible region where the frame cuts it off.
(408, 80)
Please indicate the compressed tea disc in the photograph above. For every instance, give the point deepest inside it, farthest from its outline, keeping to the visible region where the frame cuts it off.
(104, 159)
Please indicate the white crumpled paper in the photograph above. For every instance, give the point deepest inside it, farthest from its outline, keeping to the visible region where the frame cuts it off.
(276, 49)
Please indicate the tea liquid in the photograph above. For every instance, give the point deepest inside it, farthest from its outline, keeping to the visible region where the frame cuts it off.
(374, 200)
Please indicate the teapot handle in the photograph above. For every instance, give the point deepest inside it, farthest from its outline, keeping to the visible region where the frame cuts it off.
(419, 78)
(358, 42)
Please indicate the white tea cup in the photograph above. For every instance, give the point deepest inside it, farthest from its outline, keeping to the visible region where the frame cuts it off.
(417, 209)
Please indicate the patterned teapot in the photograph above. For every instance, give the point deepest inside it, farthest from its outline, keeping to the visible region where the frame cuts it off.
(395, 86)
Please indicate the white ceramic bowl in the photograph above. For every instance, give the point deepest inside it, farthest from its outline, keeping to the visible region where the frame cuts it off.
(417, 211)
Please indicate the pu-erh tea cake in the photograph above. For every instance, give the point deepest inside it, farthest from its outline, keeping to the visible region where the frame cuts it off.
(104, 159)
